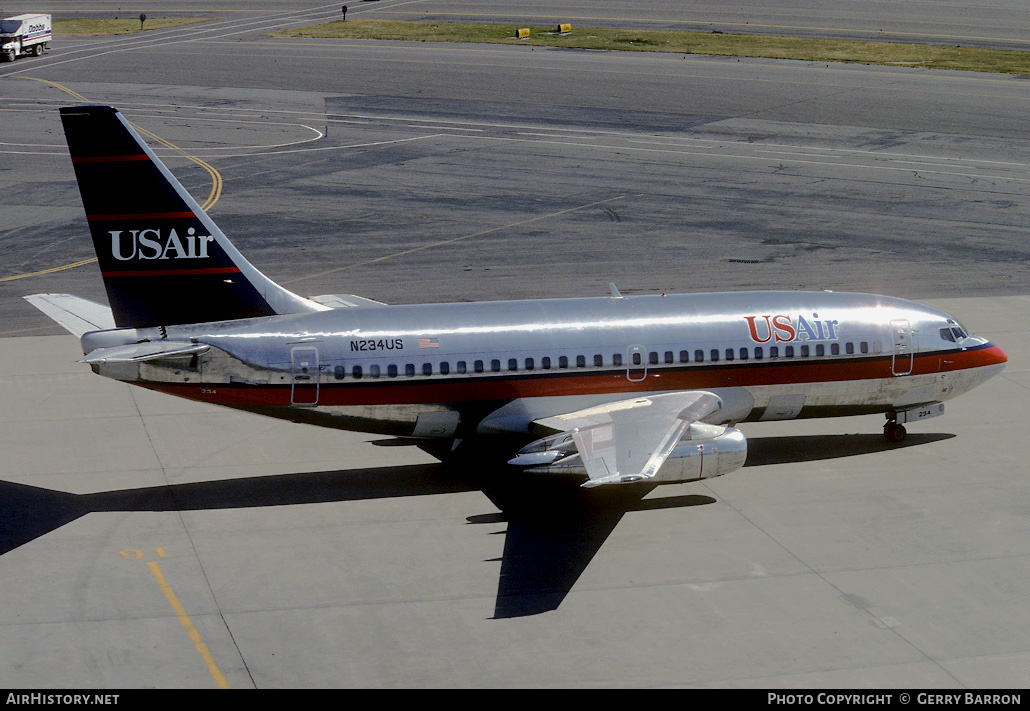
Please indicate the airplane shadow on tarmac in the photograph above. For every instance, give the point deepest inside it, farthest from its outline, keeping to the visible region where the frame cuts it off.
(554, 528)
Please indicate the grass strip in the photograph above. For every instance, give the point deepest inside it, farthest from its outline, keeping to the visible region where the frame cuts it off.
(710, 43)
(119, 26)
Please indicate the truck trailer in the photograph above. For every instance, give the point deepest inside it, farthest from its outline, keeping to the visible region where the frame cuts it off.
(24, 34)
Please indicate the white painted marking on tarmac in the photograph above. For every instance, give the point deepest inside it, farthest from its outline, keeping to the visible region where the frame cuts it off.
(445, 128)
(553, 135)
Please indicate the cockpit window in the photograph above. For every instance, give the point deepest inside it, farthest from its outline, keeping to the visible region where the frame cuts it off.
(947, 335)
(959, 333)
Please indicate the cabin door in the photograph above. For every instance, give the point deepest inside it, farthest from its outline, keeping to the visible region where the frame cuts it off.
(904, 348)
(305, 376)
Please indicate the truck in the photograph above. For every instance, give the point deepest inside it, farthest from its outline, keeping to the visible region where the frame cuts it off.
(24, 35)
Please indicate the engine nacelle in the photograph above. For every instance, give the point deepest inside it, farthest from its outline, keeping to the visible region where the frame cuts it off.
(704, 457)
(705, 451)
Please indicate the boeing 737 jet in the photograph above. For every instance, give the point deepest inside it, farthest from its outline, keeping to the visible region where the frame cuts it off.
(609, 390)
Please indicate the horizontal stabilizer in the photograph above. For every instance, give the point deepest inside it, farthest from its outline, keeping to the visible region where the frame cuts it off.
(148, 350)
(343, 301)
(75, 314)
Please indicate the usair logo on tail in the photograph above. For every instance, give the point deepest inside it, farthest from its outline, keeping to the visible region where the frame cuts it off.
(152, 244)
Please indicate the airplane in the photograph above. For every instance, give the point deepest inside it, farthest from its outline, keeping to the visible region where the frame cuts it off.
(603, 391)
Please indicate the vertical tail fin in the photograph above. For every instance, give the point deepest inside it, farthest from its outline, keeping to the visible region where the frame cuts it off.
(163, 260)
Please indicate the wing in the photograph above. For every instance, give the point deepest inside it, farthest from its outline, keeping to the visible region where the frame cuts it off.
(622, 441)
(75, 314)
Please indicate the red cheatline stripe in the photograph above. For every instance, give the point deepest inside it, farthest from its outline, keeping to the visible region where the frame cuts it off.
(140, 216)
(110, 159)
(385, 391)
(172, 272)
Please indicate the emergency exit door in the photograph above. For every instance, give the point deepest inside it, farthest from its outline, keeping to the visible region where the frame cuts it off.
(636, 366)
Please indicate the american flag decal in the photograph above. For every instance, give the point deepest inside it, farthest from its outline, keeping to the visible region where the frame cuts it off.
(428, 343)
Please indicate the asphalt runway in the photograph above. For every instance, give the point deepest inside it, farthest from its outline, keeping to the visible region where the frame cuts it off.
(415, 172)
(997, 23)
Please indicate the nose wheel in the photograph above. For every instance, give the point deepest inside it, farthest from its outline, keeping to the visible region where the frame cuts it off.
(893, 432)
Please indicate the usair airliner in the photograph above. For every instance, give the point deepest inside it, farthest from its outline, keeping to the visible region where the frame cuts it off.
(608, 390)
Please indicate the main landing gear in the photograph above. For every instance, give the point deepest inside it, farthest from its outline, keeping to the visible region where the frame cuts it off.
(893, 432)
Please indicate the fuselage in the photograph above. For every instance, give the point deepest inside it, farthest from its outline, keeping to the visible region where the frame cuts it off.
(622, 389)
(451, 370)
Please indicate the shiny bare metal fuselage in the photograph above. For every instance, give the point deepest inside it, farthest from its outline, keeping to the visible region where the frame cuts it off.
(451, 370)
(610, 390)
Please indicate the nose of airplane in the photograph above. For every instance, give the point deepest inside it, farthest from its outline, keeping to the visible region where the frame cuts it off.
(993, 360)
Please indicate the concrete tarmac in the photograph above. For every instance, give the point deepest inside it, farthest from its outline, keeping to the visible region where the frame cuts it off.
(311, 558)
(135, 524)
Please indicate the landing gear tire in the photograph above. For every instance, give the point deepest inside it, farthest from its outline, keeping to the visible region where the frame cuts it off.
(893, 432)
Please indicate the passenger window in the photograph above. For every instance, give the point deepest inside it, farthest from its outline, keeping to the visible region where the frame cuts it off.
(545, 363)
(513, 364)
(715, 355)
(427, 369)
(834, 349)
(729, 354)
(699, 356)
(373, 371)
(478, 366)
(409, 370)
(820, 349)
(876, 347)
(598, 361)
(652, 358)
(391, 370)
(581, 361)
(356, 372)
(339, 372)
(864, 347)
(460, 366)
(758, 353)
(669, 357)
(743, 353)
(804, 351)
(616, 359)
(849, 348)
(445, 368)
(788, 351)
(563, 361)
(529, 364)
(774, 351)
(684, 357)
(495, 365)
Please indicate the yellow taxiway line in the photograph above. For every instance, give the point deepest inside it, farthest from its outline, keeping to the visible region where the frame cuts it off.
(212, 198)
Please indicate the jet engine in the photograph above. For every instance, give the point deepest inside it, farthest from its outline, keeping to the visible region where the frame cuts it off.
(703, 452)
